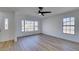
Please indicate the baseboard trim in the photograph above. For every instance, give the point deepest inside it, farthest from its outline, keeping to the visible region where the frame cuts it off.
(61, 38)
(29, 35)
(48, 35)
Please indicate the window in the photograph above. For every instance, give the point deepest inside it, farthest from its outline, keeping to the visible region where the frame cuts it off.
(69, 25)
(6, 23)
(22, 25)
(36, 25)
(29, 26)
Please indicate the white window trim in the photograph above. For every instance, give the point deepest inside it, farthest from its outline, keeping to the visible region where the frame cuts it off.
(6, 23)
(70, 26)
(29, 29)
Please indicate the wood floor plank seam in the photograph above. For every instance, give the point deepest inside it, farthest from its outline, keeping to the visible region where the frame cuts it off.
(40, 42)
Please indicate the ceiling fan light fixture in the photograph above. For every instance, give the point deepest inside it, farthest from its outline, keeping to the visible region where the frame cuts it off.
(39, 14)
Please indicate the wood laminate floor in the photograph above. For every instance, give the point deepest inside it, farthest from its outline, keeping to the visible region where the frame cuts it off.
(42, 43)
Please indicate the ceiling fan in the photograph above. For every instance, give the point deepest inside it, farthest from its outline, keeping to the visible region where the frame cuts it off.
(41, 12)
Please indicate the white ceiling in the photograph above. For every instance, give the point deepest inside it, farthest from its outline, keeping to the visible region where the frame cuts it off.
(33, 11)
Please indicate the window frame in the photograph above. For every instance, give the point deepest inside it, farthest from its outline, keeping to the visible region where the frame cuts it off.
(6, 23)
(69, 25)
(36, 26)
(32, 25)
(23, 26)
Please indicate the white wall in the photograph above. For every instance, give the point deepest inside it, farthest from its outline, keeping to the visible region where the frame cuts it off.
(20, 17)
(7, 34)
(14, 29)
(53, 26)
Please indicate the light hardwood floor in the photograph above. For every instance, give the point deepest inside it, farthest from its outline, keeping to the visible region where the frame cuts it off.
(42, 42)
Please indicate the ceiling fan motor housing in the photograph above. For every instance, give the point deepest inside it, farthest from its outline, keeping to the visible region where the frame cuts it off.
(43, 12)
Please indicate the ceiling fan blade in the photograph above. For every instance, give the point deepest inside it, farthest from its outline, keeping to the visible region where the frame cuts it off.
(39, 11)
(47, 12)
(42, 14)
(44, 11)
